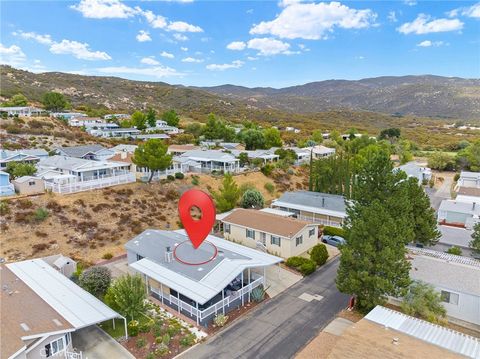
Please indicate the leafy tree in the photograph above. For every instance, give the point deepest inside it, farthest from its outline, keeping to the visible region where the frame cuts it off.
(228, 196)
(422, 300)
(152, 155)
(317, 136)
(171, 118)
(254, 139)
(96, 280)
(54, 101)
(404, 151)
(194, 129)
(272, 137)
(151, 117)
(440, 161)
(139, 120)
(19, 169)
(243, 158)
(389, 134)
(463, 144)
(286, 154)
(252, 198)
(377, 228)
(475, 242)
(423, 216)
(217, 129)
(184, 138)
(319, 254)
(16, 100)
(127, 295)
(469, 157)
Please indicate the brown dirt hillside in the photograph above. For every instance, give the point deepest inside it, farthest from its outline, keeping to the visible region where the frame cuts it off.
(88, 225)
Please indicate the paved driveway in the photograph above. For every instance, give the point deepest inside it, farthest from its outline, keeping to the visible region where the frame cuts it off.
(96, 344)
(279, 279)
(282, 326)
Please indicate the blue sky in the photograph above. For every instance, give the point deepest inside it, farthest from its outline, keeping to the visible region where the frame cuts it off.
(249, 43)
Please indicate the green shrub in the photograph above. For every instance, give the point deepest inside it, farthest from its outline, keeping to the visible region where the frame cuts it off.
(333, 231)
(170, 178)
(195, 180)
(173, 330)
(179, 175)
(220, 320)
(258, 294)
(107, 256)
(270, 187)
(188, 340)
(252, 199)
(96, 280)
(267, 169)
(161, 350)
(4, 208)
(158, 329)
(454, 250)
(319, 254)
(308, 267)
(295, 262)
(140, 343)
(146, 326)
(166, 339)
(150, 356)
(133, 328)
(456, 177)
(41, 214)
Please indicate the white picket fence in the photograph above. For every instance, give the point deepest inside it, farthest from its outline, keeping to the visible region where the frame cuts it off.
(81, 186)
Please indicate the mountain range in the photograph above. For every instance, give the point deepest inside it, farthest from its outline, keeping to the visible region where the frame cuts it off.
(424, 96)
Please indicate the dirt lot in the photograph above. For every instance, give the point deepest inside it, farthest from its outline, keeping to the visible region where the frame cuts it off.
(89, 226)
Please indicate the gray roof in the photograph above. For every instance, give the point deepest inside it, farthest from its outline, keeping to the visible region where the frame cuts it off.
(37, 152)
(431, 333)
(312, 201)
(80, 151)
(413, 169)
(466, 174)
(209, 155)
(460, 207)
(455, 236)
(444, 270)
(75, 164)
(24, 179)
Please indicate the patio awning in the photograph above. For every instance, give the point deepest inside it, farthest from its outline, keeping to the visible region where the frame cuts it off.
(73, 303)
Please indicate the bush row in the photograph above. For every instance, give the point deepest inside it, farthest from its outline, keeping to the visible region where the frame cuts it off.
(318, 256)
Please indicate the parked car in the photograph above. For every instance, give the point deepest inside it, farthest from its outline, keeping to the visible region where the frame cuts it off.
(333, 240)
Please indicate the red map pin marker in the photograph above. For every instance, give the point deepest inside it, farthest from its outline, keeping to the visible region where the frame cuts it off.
(197, 230)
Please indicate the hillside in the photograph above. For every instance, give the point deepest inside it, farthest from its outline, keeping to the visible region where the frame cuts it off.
(430, 96)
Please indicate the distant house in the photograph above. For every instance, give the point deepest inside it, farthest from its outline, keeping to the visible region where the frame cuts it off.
(124, 148)
(27, 155)
(42, 310)
(178, 150)
(29, 185)
(455, 277)
(119, 116)
(321, 208)
(456, 213)
(468, 194)
(215, 278)
(90, 122)
(320, 151)
(87, 152)
(303, 154)
(24, 111)
(6, 188)
(68, 115)
(224, 145)
(151, 136)
(115, 132)
(212, 160)
(412, 169)
(163, 126)
(283, 236)
(264, 155)
(469, 179)
(69, 174)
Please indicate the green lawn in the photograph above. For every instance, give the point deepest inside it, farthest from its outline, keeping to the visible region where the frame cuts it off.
(119, 330)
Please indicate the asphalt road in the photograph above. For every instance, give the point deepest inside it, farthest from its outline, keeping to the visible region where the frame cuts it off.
(282, 326)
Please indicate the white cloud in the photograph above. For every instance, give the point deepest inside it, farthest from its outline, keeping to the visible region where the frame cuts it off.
(313, 21)
(143, 36)
(12, 55)
(424, 25)
(180, 37)
(191, 59)
(181, 26)
(236, 45)
(155, 21)
(360, 57)
(469, 11)
(268, 46)
(41, 39)
(104, 9)
(157, 71)
(222, 67)
(410, 2)
(149, 61)
(167, 55)
(252, 58)
(392, 16)
(428, 43)
(78, 50)
(184, 48)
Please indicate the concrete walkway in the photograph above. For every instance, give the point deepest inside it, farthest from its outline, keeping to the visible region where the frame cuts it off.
(96, 344)
(282, 326)
(279, 279)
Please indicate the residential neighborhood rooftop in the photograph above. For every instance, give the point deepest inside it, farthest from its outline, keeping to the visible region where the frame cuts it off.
(266, 222)
(312, 201)
(461, 207)
(75, 164)
(208, 155)
(469, 191)
(80, 151)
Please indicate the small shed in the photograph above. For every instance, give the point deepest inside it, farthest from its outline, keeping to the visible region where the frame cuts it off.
(29, 185)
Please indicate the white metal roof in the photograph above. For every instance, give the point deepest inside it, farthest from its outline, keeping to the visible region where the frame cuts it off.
(277, 212)
(73, 303)
(215, 280)
(431, 333)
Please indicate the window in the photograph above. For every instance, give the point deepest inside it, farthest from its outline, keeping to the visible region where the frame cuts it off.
(311, 232)
(263, 238)
(275, 240)
(226, 228)
(54, 347)
(299, 240)
(449, 297)
(31, 183)
(250, 233)
(139, 257)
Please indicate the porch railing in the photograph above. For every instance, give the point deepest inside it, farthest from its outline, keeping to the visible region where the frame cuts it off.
(80, 186)
(215, 308)
(325, 222)
(73, 355)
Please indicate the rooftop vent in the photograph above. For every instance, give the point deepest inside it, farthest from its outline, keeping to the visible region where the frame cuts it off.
(25, 327)
(168, 255)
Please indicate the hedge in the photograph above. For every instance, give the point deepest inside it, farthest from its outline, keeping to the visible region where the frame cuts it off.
(319, 254)
(333, 231)
(303, 265)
